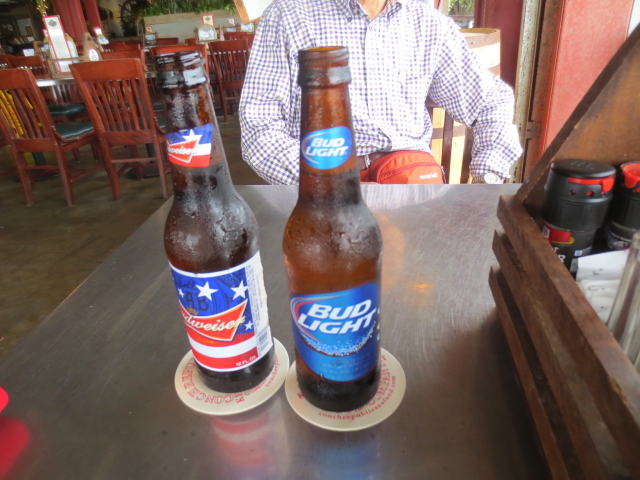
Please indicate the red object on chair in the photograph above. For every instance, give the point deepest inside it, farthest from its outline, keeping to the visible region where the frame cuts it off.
(230, 59)
(4, 399)
(118, 101)
(14, 437)
(28, 126)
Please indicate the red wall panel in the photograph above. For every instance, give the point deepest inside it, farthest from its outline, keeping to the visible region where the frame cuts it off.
(70, 12)
(591, 32)
(504, 15)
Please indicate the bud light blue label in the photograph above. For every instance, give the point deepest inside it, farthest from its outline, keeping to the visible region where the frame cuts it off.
(336, 334)
(325, 149)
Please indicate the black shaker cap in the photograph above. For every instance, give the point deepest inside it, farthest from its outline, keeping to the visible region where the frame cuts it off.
(583, 169)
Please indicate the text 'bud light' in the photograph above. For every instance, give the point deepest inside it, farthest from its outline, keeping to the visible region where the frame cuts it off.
(325, 149)
(337, 333)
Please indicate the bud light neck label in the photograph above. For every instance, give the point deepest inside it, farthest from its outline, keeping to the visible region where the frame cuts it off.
(191, 147)
(226, 315)
(326, 149)
(337, 334)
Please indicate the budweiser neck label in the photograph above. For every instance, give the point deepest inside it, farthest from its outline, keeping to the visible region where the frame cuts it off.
(325, 149)
(191, 147)
(336, 334)
(226, 315)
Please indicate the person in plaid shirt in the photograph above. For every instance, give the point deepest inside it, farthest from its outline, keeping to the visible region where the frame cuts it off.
(401, 51)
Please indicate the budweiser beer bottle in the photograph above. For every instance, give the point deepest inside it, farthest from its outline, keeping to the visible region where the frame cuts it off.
(211, 238)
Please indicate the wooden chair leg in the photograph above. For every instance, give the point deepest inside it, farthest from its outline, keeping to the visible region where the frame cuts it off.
(110, 167)
(161, 170)
(133, 152)
(223, 100)
(95, 149)
(76, 155)
(65, 174)
(25, 179)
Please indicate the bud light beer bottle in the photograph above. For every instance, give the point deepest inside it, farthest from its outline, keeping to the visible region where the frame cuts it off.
(211, 238)
(332, 247)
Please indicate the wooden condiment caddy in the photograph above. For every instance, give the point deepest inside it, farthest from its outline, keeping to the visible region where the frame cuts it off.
(582, 390)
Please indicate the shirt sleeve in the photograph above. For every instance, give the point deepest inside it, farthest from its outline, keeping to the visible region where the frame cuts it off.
(474, 96)
(265, 106)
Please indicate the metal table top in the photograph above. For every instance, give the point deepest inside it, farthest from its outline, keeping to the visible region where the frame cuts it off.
(93, 384)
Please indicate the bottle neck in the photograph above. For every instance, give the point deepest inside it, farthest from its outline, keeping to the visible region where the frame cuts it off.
(190, 110)
(323, 109)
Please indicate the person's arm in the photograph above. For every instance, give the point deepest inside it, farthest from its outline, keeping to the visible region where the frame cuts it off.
(265, 106)
(474, 96)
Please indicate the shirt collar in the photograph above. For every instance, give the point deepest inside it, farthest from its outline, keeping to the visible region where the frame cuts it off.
(349, 7)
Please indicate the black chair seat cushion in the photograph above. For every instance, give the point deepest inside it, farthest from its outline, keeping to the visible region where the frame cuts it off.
(158, 106)
(162, 122)
(65, 109)
(73, 129)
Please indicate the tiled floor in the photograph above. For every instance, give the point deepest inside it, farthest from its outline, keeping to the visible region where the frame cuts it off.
(48, 249)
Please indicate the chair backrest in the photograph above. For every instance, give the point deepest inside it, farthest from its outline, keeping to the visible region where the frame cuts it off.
(167, 41)
(446, 134)
(234, 35)
(240, 36)
(35, 64)
(230, 61)
(139, 54)
(23, 108)
(204, 51)
(117, 98)
(4, 63)
(250, 37)
(65, 93)
(191, 41)
(121, 46)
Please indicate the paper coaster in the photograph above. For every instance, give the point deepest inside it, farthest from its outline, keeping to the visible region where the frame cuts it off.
(388, 397)
(195, 394)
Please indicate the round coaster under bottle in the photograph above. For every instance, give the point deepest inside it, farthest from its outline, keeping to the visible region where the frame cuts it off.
(196, 395)
(386, 400)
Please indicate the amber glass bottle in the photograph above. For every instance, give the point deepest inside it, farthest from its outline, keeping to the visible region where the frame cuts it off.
(211, 238)
(332, 247)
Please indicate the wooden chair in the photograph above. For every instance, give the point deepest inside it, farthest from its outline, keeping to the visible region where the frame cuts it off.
(240, 36)
(138, 54)
(120, 107)
(191, 41)
(9, 171)
(4, 62)
(250, 37)
(27, 126)
(122, 46)
(204, 51)
(235, 36)
(444, 136)
(35, 64)
(168, 41)
(230, 60)
(64, 101)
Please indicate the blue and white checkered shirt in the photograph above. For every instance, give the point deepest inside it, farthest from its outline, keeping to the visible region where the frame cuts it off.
(410, 51)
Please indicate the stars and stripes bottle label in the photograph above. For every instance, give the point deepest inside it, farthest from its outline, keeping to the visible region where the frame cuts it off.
(190, 147)
(225, 314)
